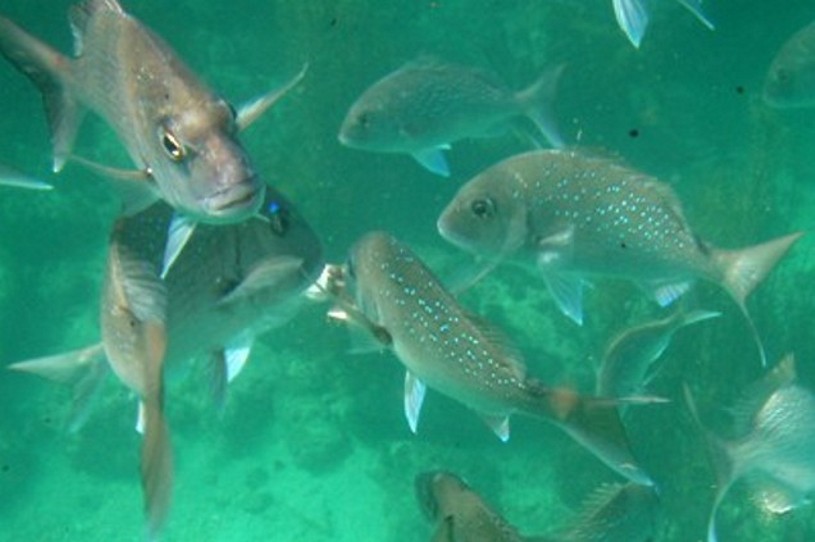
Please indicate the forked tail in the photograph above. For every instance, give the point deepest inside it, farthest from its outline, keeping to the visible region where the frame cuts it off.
(742, 270)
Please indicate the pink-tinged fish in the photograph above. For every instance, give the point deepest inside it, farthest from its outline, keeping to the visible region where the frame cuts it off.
(391, 292)
(774, 447)
(427, 104)
(134, 338)
(181, 136)
(576, 217)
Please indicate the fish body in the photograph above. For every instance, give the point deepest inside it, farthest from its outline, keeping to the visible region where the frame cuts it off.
(630, 356)
(134, 339)
(427, 104)
(576, 216)
(790, 81)
(181, 136)
(632, 17)
(615, 513)
(774, 447)
(447, 349)
(459, 513)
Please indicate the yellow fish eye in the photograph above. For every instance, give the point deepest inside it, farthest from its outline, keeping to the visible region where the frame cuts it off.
(172, 146)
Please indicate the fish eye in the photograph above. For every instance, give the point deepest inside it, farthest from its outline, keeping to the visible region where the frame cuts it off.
(172, 146)
(483, 207)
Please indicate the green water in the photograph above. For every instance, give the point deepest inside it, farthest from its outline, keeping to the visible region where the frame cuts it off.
(313, 445)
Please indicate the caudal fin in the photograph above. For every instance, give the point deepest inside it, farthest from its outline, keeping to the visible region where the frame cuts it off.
(48, 69)
(720, 459)
(742, 270)
(537, 102)
(156, 468)
(594, 423)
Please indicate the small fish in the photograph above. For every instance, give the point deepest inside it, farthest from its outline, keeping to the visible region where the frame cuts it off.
(12, 177)
(790, 82)
(425, 105)
(632, 16)
(615, 513)
(445, 348)
(134, 338)
(776, 448)
(578, 216)
(630, 356)
(459, 513)
(181, 136)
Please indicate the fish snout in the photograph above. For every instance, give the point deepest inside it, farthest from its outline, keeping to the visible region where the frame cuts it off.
(236, 202)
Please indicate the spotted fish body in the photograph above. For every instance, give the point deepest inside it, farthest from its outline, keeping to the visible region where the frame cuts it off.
(577, 216)
(447, 349)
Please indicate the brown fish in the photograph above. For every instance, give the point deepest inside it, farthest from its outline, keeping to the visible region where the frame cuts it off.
(134, 337)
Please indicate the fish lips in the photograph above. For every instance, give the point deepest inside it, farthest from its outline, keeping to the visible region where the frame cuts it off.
(236, 203)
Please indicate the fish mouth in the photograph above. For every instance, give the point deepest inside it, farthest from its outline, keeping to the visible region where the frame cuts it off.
(238, 202)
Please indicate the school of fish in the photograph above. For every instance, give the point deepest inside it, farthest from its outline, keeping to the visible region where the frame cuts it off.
(205, 256)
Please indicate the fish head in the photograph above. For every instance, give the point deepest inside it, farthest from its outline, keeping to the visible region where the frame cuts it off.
(486, 217)
(790, 81)
(373, 124)
(200, 166)
(435, 488)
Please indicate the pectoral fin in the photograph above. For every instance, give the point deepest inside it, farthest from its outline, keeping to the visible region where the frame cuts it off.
(178, 234)
(133, 185)
(499, 426)
(567, 291)
(433, 160)
(252, 110)
(268, 274)
(12, 177)
(414, 397)
(445, 530)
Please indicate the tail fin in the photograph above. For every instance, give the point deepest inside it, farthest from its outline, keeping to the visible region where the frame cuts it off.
(537, 103)
(84, 369)
(743, 270)
(156, 453)
(594, 423)
(48, 69)
(156, 467)
(720, 459)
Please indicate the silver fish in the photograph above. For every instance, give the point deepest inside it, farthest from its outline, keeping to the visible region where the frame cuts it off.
(134, 338)
(181, 136)
(632, 16)
(12, 177)
(776, 447)
(231, 284)
(427, 104)
(459, 513)
(790, 81)
(578, 216)
(443, 347)
(615, 513)
(630, 356)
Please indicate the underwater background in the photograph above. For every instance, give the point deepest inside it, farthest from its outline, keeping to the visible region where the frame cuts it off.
(313, 444)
